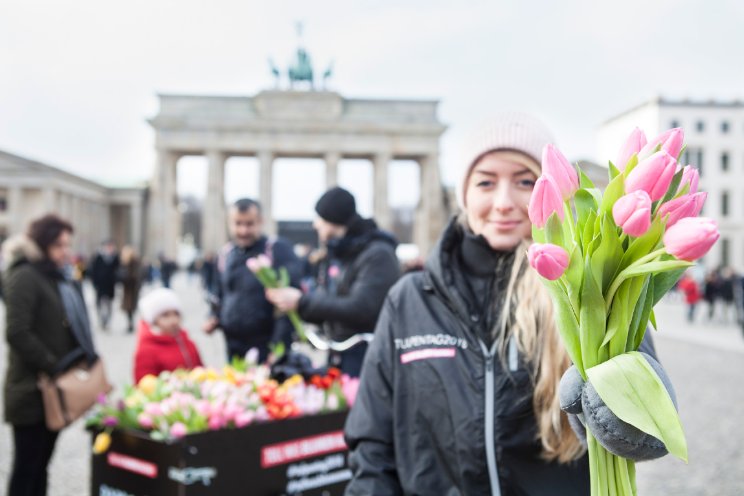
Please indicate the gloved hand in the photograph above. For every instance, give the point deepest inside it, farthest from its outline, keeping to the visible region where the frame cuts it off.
(585, 408)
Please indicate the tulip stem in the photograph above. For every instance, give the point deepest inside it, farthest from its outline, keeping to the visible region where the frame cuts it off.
(622, 275)
(568, 213)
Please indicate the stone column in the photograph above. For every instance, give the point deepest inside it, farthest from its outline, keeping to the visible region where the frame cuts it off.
(331, 160)
(50, 199)
(430, 215)
(214, 216)
(163, 225)
(266, 160)
(15, 210)
(381, 163)
(135, 226)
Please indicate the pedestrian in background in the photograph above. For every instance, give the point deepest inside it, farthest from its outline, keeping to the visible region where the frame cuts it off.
(353, 279)
(103, 273)
(239, 305)
(690, 288)
(130, 276)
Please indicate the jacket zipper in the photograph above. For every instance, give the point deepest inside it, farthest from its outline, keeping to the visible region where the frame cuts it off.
(489, 355)
(493, 472)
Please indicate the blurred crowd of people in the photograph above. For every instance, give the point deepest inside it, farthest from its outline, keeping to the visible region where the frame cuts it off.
(721, 290)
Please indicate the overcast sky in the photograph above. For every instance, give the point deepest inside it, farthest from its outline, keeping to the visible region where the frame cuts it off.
(78, 78)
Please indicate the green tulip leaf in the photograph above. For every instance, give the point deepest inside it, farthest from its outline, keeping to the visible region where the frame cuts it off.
(614, 191)
(641, 313)
(588, 232)
(617, 323)
(584, 181)
(554, 230)
(633, 391)
(614, 171)
(673, 186)
(592, 319)
(585, 204)
(538, 235)
(568, 325)
(643, 245)
(665, 281)
(654, 267)
(631, 164)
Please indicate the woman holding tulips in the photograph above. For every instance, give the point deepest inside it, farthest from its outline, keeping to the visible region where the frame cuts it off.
(460, 388)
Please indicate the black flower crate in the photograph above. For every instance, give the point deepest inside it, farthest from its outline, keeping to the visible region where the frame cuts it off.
(302, 456)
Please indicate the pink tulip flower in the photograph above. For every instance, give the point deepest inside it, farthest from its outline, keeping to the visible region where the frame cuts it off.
(691, 176)
(244, 419)
(178, 430)
(691, 238)
(546, 199)
(555, 165)
(350, 387)
(670, 140)
(684, 206)
(216, 422)
(263, 261)
(550, 261)
(632, 146)
(652, 175)
(632, 213)
(252, 264)
(145, 421)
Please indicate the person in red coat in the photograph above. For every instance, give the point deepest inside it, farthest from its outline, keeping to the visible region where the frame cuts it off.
(161, 342)
(690, 288)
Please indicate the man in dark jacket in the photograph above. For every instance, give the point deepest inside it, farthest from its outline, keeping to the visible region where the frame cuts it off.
(239, 305)
(103, 272)
(353, 280)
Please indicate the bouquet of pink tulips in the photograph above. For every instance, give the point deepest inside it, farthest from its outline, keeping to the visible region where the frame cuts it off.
(607, 259)
(261, 267)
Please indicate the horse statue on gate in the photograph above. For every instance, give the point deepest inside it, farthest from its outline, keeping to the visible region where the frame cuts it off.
(302, 70)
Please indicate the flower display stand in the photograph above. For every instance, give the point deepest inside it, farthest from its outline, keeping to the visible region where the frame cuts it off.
(302, 456)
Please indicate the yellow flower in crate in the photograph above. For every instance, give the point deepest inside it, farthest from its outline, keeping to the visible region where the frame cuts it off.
(102, 443)
(198, 374)
(294, 380)
(148, 384)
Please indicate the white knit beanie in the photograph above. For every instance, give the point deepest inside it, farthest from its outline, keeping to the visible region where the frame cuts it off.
(514, 131)
(157, 302)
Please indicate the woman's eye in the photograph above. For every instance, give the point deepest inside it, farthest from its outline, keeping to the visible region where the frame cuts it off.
(527, 183)
(485, 184)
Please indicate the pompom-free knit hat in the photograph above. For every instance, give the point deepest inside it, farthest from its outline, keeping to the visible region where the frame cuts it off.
(157, 302)
(337, 206)
(509, 131)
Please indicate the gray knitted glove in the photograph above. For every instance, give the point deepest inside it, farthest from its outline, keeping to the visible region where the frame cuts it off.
(584, 407)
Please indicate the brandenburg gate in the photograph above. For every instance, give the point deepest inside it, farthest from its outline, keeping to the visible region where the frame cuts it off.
(297, 124)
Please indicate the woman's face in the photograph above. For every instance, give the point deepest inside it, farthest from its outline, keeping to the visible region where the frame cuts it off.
(497, 194)
(60, 251)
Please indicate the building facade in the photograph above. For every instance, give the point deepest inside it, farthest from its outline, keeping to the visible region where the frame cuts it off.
(714, 135)
(30, 189)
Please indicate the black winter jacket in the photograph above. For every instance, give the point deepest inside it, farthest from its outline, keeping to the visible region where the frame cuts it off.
(239, 299)
(363, 267)
(437, 411)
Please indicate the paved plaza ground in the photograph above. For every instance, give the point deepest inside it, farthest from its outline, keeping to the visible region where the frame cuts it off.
(705, 362)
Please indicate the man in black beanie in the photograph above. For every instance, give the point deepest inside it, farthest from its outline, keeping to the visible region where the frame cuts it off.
(353, 278)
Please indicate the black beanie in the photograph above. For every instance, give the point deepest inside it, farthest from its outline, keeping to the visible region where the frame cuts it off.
(336, 206)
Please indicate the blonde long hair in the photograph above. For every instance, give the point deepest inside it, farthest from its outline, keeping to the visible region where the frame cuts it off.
(527, 315)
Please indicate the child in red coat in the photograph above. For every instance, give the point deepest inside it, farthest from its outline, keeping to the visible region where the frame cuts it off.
(161, 342)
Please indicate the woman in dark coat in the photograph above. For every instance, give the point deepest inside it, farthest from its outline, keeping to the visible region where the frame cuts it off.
(130, 276)
(41, 330)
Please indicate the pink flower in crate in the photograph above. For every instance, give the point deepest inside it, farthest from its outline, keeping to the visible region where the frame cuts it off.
(632, 213)
(178, 430)
(244, 418)
(144, 420)
(555, 165)
(691, 238)
(546, 199)
(550, 261)
(652, 175)
(350, 386)
(633, 145)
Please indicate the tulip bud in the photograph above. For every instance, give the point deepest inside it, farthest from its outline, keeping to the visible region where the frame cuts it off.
(263, 261)
(546, 199)
(178, 430)
(679, 208)
(555, 165)
(632, 146)
(652, 175)
(550, 261)
(691, 238)
(691, 176)
(632, 213)
(670, 140)
(252, 264)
